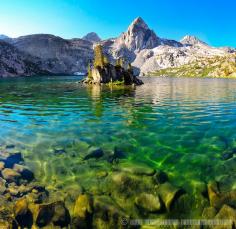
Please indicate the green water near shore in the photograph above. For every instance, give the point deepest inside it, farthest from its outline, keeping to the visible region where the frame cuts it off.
(181, 126)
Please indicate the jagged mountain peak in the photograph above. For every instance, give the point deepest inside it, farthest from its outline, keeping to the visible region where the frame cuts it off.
(92, 37)
(191, 40)
(138, 36)
(139, 22)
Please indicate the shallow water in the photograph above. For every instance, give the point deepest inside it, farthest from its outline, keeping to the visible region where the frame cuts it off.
(179, 125)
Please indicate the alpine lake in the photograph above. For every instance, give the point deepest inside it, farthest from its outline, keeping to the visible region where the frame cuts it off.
(156, 151)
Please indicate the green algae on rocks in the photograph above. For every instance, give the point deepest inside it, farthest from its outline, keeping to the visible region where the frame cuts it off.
(103, 72)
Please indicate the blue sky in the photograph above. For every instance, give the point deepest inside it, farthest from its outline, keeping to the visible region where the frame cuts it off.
(213, 21)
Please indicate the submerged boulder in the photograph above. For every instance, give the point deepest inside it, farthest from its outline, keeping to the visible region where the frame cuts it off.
(13, 158)
(169, 194)
(2, 165)
(107, 214)
(61, 216)
(53, 213)
(136, 169)
(82, 212)
(94, 153)
(148, 202)
(2, 186)
(24, 172)
(218, 199)
(229, 214)
(10, 175)
(22, 213)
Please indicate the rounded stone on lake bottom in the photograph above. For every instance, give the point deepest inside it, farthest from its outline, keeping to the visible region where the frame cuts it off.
(21, 207)
(44, 214)
(10, 175)
(61, 216)
(13, 158)
(138, 169)
(160, 177)
(83, 206)
(2, 165)
(148, 202)
(11, 146)
(107, 213)
(94, 153)
(22, 213)
(209, 213)
(101, 174)
(169, 194)
(82, 211)
(59, 150)
(24, 171)
(2, 186)
(226, 212)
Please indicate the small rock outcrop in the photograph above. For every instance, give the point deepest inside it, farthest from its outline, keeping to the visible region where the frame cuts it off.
(103, 72)
(192, 40)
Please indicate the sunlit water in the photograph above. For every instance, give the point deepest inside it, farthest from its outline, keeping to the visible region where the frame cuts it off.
(179, 125)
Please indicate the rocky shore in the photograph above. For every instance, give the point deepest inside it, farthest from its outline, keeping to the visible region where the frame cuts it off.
(125, 191)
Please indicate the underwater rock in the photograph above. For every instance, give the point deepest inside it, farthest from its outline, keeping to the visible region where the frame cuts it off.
(160, 177)
(10, 175)
(124, 184)
(148, 202)
(101, 174)
(26, 174)
(226, 182)
(37, 195)
(227, 155)
(61, 216)
(228, 213)
(10, 146)
(13, 190)
(8, 224)
(59, 150)
(44, 214)
(218, 199)
(188, 205)
(116, 154)
(209, 213)
(2, 186)
(2, 165)
(169, 194)
(94, 153)
(107, 214)
(136, 169)
(13, 158)
(22, 213)
(82, 212)
(214, 195)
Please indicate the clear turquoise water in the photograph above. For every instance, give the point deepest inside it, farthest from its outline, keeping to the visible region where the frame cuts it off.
(179, 125)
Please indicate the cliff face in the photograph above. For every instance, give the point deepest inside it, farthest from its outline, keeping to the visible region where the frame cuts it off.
(103, 72)
(57, 55)
(16, 63)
